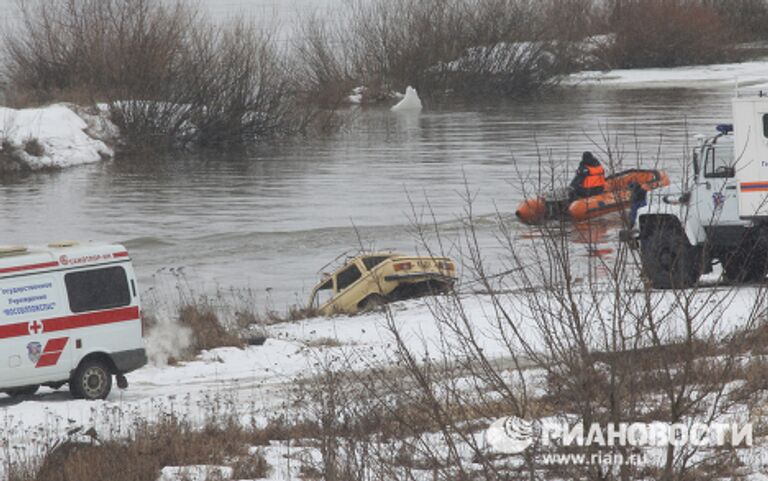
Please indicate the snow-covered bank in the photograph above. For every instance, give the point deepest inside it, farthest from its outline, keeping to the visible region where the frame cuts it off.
(748, 74)
(54, 137)
(257, 383)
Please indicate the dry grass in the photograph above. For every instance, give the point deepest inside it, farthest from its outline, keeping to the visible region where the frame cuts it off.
(279, 429)
(168, 443)
(208, 332)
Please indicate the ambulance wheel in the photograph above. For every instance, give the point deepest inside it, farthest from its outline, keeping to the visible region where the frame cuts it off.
(669, 261)
(92, 380)
(23, 391)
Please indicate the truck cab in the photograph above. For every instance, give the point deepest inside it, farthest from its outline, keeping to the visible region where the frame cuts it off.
(721, 215)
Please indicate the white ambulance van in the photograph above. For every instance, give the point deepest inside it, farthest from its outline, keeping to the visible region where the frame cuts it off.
(69, 313)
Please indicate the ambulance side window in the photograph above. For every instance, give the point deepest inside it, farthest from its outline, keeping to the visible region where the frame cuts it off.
(97, 289)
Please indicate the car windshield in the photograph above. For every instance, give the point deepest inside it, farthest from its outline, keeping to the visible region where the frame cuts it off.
(323, 293)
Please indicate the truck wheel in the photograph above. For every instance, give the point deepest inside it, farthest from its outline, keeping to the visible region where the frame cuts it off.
(748, 264)
(668, 259)
(25, 391)
(92, 380)
(735, 266)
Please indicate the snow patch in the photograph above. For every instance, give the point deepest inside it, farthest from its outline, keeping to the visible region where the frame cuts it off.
(53, 137)
(410, 103)
(196, 473)
(749, 75)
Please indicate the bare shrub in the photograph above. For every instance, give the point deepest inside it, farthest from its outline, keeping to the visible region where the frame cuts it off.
(747, 18)
(170, 442)
(229, 87)
(469, 47)
(106, 48)
(7, 158)
(170, 77)
(668, 33)
(323, 69)
(33, 147)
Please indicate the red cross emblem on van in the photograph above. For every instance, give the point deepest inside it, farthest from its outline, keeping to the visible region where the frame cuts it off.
(35, 327)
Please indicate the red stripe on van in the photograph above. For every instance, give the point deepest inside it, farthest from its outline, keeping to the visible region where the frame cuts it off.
(21, 329)
(90, 319)
(29, 267)
(55, 344)
(120, 254)
(14, 330)
(48, 359)
(52, 352)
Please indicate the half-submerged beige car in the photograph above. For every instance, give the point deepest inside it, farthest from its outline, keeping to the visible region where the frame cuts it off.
(370, 280)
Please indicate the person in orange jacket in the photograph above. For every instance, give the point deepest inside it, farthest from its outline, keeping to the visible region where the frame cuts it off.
(590, 177)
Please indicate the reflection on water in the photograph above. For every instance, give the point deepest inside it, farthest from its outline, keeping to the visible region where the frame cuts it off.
(272, 216)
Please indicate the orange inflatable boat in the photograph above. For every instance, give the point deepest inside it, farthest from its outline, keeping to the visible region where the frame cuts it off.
(559, 205)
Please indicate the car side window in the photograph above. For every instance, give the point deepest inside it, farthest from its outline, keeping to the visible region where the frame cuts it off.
(97, 289)
(347, 277)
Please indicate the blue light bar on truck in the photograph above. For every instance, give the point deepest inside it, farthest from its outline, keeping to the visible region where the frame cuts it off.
(724, 128)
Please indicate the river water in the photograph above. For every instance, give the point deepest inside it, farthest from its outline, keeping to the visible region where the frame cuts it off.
(267, 220)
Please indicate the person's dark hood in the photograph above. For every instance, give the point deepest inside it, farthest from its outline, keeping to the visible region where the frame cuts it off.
(588, 159)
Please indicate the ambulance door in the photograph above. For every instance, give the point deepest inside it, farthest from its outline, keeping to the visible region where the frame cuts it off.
(29, 354)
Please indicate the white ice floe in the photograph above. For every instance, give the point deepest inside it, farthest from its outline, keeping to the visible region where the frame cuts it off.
(53, 137)
(357, 95)
(410, 103)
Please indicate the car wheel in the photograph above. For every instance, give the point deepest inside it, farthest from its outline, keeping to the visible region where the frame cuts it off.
(92, 380)
(25, 391)
(668, 259)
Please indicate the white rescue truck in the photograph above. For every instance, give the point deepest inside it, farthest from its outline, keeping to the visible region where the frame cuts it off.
(722, 214)
(69, 313)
